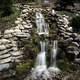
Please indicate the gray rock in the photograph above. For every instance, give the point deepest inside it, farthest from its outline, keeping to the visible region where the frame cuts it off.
(25, 11)
(25, 31)
(69, 29)
(23, 35)
(27, 26)
(23, 15)
(68, 40)
(4, 41)
(64, 35)
(5, 51)
(2, 61)
(7, 36)
(24, 23)
(17, 22)
(62, 29)
(5, 56)
(4, 66)
(20, 19)
(67, 33)
(17, 53)
(77, 38)
(73, 52)
(8, 46)
(74, 35)
(53, 12)
(20, 26)
(2, 47)
(9, 31)
(77, 60)
(75, 43)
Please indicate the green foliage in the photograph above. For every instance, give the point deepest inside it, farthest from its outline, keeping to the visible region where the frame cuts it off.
(75, 23)
(22, 68)
(5, 7)
(63, 3)
(65, 65)
(70, 14)
(9, 20)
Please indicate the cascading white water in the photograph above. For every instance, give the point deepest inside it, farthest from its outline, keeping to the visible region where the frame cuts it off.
(54, 67)
(54, 53)
(40, 67)
(42, 26)
(41, 58)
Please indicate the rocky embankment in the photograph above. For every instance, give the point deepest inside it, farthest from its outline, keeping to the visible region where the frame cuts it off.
(11, 53)
(70, 41)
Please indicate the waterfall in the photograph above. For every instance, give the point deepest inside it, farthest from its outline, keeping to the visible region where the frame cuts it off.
(42, 26)
(40, 67)
(54, 53)
(54, 67)
(41, 58)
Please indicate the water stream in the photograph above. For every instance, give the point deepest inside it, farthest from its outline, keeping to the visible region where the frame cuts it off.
(54, 67)
(42, 26)
(41, 67)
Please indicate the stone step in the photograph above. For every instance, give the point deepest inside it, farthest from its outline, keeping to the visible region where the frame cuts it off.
(5, 56)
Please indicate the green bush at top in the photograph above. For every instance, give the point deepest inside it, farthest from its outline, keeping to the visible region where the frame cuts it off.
(5, 7)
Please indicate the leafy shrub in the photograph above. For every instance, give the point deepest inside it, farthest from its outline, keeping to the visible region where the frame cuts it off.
(5, 7)
(22, 68)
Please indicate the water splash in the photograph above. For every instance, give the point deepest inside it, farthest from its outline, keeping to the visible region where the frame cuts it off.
(42, 26)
